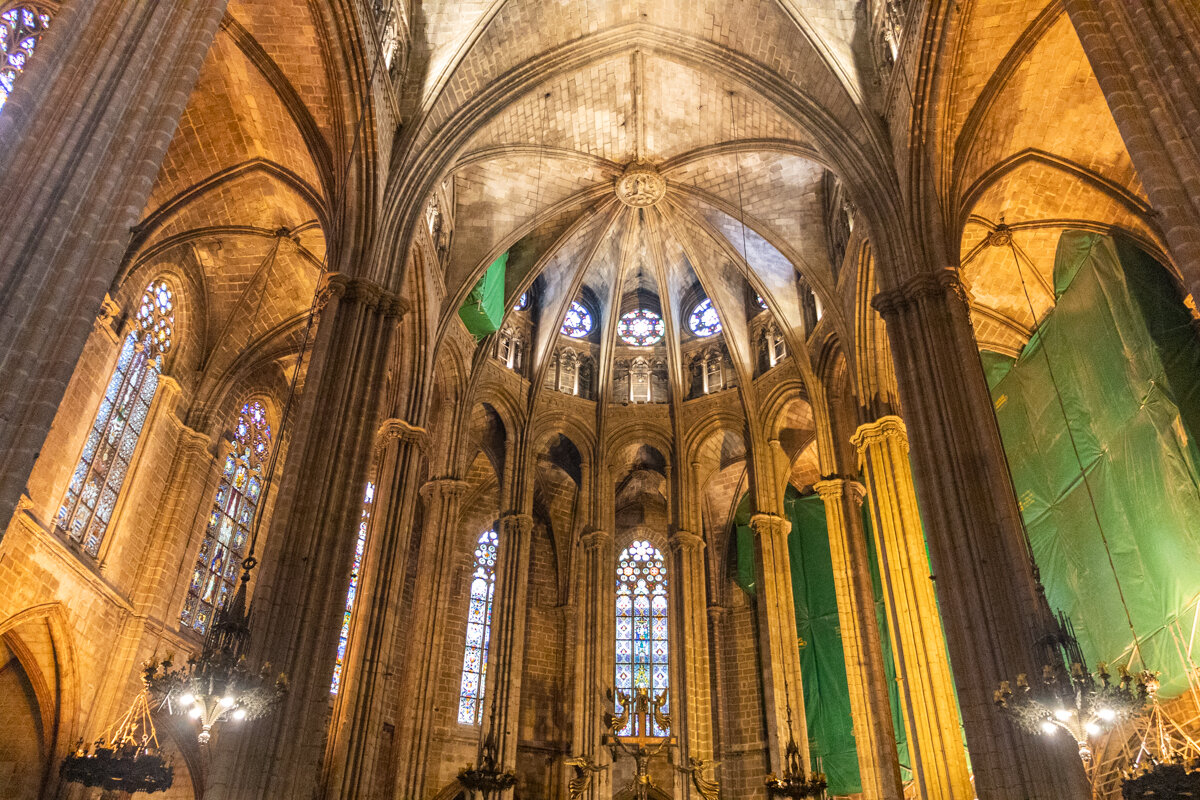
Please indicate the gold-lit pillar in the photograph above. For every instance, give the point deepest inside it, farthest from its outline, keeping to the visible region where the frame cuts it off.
(691, 698)
(939, 761)
(974, 529)
(874, 734)
(594, 654)
(777, 638)
(508, 634)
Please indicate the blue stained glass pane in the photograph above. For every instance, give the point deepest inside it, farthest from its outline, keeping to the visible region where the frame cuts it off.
(466, 711)
(104, 508)
(474, 634)
(479, 629)
(642, 625)
(259, 415)
(704, 320)
(578, 322)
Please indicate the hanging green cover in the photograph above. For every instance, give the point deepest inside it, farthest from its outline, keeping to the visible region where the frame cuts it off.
(1126, 361)
(822, 660)
(483, 310)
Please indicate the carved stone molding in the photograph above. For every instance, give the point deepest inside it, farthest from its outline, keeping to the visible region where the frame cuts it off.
(360, 290)
(887, 428)
(640, 185)
(392, 429)
(686, 540)
(943, 283)
(443, 486)
(594, 540)
(837, 487)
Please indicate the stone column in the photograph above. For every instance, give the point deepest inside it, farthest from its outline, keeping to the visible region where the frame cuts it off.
(874, 734)
(300, 599)
(435, 573)
(371, 662)
(691, 700)
(783, 691)
(939, 762)
(507, 657)
(594, 664)
(976, 541)
(83, 135)
(1145, 59)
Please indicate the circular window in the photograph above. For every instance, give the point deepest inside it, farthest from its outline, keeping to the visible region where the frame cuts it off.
(522, 302)
(704, 320)
(758, 298)
(640, 328)
(578, 323)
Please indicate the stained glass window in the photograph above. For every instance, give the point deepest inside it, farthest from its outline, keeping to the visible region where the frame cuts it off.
(522, 302)
(578, 323)
(215, 574)
(21, 28)
(758, 298)
(704, 320)
(479, 631)
(641, 624)
(640, 328)
(96, 483)
(355, 569)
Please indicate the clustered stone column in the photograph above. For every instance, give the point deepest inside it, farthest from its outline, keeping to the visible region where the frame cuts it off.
(692, 697)
(508, 634)
(874, 734)
(300, 599)
(1145, 59)
(83, 135)
(435, 571)
(939, 762)
(976, 542)
(371, 659)
(593, 656)
(777, 637)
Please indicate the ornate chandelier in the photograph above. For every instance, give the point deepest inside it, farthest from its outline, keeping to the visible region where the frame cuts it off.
(795, 782)
(1178, 777)
(218, 686)
(1078, 702)
(489, 778)
(126, 758)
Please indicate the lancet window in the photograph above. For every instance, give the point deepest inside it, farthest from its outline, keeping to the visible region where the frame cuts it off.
(479, 631)
(510, 348)
(96, 483)
(231, 520)
(642, 636)
(355, 569)
(21, 28)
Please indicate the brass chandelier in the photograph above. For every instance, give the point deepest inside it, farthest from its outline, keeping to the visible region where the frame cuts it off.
(126, 758)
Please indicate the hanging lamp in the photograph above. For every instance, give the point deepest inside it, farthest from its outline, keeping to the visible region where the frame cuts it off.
(1069, 697)
(218, 685)
(126, 758)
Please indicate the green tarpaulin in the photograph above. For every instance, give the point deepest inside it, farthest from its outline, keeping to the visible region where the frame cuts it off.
(483, 310)
(822, 661)
(1126, 360)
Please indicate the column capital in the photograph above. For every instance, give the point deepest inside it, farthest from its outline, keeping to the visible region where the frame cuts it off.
(886, 428)
(941, 283)
(717, 614)
(345, 287)
(836, 487)
(393, 429)
(770, 524)
(521, 522)
(439, 487)
(686, 540)
(595, 539)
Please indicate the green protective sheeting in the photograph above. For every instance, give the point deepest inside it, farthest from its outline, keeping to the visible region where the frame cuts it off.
(483, 310)
(1126, 360)
(822, 660)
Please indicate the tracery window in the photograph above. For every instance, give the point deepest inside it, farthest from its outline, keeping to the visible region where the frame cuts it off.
(642, 650)
(96, 483)
(578, 322)
(479, 631)
(21, 28)
(639, 381)
(215, 575)
(640, 328)
(703, 320)
(359, 547)
(762, 304)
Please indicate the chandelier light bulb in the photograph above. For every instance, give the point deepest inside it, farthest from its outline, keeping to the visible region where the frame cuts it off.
(1092, 728)
(187, 699)
(226, 701)
(240, 714)
(195, 712)
(1049, 728)
(1106, 714)
(1062, 715)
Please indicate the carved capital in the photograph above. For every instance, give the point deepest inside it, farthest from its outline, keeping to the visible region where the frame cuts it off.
(360, 290)
(770, 525)
(514, 523)
(835, 487)
(393, 429)
(942, 283)
(595, 540)
(436, 488)
(686, 541)
(885, 429)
